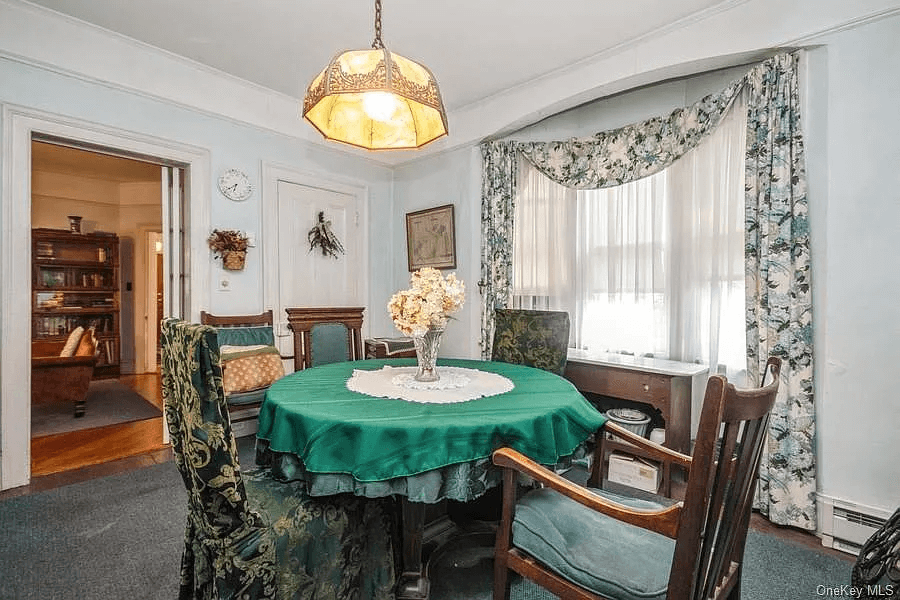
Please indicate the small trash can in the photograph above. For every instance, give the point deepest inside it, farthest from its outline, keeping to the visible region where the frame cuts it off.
(631, 419)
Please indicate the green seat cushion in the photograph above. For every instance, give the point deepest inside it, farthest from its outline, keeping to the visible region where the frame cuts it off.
(246, 336)
(599, 553)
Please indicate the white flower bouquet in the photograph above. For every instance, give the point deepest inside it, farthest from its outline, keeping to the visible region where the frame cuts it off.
(428, 303)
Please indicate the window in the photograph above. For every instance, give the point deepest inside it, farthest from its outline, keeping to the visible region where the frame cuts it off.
(652, 267)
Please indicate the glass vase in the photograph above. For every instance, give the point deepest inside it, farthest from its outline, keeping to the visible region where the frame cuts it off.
(427, 346)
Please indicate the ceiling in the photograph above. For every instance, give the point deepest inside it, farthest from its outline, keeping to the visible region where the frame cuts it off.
(475, 48)
(62, 160)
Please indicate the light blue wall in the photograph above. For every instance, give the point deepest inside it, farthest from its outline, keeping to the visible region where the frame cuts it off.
(230, 145)
(629, 107)
(450, 178)
(853, 151)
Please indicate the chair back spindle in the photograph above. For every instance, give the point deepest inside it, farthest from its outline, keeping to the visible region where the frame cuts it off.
(732, 432)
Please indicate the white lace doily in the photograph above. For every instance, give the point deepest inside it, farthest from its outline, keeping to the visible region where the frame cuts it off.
(455, 385)
(450, 379)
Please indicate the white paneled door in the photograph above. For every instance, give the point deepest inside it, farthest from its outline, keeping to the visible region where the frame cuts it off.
(307, 277)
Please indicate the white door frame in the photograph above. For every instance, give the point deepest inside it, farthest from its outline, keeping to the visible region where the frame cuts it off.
(18, 124)
(150, 324)
(271, 175)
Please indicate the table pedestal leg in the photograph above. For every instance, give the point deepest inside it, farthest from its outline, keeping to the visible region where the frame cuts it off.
(413, 583)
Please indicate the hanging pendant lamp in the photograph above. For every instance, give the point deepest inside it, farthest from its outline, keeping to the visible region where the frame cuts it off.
(376, 99)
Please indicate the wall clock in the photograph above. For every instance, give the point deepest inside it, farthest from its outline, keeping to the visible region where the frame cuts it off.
(235, 185)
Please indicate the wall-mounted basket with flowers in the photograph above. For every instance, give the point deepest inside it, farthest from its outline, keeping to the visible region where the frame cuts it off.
(231, 245)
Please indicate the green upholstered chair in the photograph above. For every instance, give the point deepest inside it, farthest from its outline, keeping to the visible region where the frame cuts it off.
(324, 335)
(535, 338)
(585, 543)
(248, 535)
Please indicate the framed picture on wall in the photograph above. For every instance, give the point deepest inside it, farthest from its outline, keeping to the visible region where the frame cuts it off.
(431, 238)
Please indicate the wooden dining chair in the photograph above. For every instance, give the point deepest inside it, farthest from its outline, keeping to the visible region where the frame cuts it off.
(247, 374)
(324, 335)
(534, 338)
(249, 535)
(584, 543)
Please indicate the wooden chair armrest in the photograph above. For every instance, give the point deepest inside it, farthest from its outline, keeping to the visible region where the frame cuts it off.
(656, 451)
(664, 521)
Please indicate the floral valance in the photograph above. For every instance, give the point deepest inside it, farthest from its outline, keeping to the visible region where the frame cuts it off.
(611, 158)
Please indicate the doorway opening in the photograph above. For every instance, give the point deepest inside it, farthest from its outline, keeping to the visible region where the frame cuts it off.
(98, 269)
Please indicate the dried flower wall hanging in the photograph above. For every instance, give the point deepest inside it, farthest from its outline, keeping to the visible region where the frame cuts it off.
(323, 237)
(231, 246)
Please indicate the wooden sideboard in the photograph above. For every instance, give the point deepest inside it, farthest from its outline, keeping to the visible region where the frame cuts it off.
(663, 384)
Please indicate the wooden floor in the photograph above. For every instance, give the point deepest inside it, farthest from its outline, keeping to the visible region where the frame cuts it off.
(72, 450)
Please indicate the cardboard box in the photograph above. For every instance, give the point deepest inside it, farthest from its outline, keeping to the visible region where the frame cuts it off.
(633, 471)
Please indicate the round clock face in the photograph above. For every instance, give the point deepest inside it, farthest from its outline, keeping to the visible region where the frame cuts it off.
(235, 185)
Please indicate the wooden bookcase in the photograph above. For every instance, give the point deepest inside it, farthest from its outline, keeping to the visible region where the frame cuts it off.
(75, 282)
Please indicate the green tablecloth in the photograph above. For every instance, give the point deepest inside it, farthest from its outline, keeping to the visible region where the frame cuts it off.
(317, 426)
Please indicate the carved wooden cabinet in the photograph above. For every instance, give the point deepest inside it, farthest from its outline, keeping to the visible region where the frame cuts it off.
(75, 283)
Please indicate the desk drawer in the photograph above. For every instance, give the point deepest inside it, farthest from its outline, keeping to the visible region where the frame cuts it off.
(620, 383)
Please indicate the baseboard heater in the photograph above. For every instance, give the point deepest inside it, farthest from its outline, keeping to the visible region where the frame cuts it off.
(846, 525)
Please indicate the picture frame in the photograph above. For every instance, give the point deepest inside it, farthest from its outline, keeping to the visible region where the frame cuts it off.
(431, 238)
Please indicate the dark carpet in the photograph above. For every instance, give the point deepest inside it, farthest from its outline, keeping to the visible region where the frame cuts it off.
(121, 537)
(109, 401)
(773, 569)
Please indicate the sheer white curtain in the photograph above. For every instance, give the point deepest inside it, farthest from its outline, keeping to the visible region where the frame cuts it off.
(544, 255)
(655, 266)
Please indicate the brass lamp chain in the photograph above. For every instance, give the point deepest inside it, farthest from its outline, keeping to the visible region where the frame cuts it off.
(378, 44)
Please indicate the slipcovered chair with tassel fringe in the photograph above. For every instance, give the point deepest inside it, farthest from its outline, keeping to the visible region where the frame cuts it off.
(248, 535)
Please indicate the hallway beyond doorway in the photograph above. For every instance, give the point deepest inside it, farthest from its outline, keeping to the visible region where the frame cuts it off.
(91, 446)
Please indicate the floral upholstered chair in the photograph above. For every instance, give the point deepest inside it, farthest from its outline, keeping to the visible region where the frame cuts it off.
(248, 535)
(535, 338)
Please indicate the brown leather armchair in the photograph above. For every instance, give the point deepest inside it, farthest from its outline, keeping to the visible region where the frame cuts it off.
(55, 378)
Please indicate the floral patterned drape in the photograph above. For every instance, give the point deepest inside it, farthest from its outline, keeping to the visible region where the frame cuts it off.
(779, 302)
(498, 191)
(777, 255)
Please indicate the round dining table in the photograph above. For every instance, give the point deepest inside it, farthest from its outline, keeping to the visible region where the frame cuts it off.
(425, 446)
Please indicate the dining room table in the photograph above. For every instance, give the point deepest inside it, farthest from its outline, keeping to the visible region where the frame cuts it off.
(369, 428)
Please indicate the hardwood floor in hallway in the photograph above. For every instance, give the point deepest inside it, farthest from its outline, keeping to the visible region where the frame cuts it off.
(68, 451)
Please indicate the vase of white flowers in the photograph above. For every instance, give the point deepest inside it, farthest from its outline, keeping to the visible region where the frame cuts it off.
(422, 312)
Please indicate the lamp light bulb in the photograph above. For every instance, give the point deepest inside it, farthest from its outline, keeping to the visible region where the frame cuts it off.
(380, 106)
